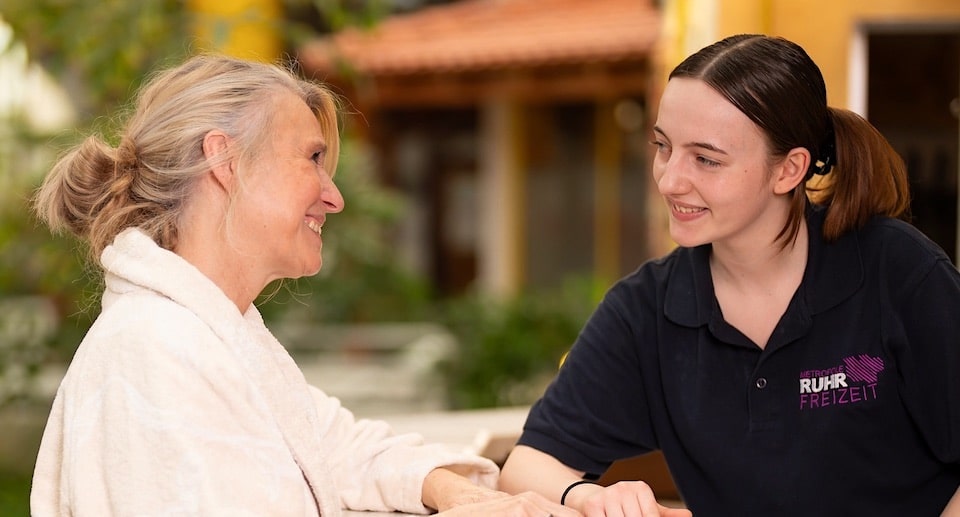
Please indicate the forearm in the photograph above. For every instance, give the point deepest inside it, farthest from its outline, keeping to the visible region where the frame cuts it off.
(528, 469)
(448, 487)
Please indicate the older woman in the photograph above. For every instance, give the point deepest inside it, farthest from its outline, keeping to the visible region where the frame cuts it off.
(179, 400)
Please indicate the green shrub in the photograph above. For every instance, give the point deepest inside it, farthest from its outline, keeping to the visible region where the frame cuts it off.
(14, 493)
(509, 350)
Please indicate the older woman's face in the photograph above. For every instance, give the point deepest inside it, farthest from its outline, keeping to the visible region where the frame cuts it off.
(286, 197)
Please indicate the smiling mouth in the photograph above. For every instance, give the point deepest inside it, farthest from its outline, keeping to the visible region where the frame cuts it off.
(315, 226)
(687, 210)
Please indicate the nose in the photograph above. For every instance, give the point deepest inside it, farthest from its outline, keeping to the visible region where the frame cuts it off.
(669, 177)
(331, 197)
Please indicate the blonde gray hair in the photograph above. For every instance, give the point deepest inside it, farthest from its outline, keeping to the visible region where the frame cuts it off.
(95, 190)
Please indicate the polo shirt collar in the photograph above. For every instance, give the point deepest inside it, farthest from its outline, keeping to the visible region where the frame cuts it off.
(834, 272)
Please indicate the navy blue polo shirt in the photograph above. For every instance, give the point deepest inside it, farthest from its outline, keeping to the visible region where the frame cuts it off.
(852, 408)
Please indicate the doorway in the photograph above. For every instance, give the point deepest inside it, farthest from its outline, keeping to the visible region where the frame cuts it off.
(913, 86)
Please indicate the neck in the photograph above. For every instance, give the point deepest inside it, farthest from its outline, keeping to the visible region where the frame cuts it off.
(205, 243)
(222, 268)
(761, 266)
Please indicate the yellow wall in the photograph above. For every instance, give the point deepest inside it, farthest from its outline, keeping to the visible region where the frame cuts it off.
(247, 29)
(825, 28)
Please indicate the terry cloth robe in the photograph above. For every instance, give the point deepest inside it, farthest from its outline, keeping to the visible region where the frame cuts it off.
(175, 403)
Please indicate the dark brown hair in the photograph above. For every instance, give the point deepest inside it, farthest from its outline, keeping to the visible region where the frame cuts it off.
(775, 83)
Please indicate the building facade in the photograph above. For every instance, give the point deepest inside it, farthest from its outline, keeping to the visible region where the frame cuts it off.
(515, 128)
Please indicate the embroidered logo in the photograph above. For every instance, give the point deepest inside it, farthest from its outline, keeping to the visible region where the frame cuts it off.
(849, 383)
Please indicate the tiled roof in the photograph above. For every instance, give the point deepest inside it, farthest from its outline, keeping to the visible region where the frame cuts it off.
(478, 35)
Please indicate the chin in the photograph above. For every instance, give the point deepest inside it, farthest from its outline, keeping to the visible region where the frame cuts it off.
(686, 240)
(311, 262)
(304, 272)
(310, 271)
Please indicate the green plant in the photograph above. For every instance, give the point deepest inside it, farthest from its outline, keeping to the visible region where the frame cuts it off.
(14, 493)
(99, 55)
(100, 51)
(510, 349)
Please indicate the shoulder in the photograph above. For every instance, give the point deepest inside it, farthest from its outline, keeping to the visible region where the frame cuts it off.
(661, 270)
(898, 257)
(897, 245)
(145, 317)
(899, 231)
(677, 282)
(146, 338)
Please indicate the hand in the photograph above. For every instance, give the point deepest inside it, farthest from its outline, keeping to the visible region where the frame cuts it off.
(500, 504)
(626, 499)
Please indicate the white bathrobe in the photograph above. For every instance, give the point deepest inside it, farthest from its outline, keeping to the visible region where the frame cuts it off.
(177, 404)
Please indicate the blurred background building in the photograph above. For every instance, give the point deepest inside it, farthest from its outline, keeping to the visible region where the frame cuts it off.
(495, 149)
(519, 128)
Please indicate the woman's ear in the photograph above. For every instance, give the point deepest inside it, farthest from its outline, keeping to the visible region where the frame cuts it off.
(216, 146)
(792, 170)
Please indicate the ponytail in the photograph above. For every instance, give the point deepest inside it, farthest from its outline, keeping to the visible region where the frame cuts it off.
(92, 192)
(76, 189)
(869, 178)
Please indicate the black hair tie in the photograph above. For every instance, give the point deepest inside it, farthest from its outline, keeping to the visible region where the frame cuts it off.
(563, 498)
(828, 153)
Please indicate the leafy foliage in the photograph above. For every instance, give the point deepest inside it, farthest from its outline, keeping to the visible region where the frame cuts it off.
(100, 51)
(42, 280)
(509, 350)
(14, 493)
(100, 54)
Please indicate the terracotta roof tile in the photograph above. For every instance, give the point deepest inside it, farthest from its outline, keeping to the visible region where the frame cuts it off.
(474, 35)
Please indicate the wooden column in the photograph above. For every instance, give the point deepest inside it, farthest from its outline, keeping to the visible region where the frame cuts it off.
(607, 186)
(501, 252)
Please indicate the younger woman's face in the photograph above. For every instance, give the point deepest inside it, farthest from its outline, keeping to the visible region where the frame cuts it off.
(712, 169)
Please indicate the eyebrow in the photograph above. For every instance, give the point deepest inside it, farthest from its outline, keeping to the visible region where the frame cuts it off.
(699, 145)
(318, 145)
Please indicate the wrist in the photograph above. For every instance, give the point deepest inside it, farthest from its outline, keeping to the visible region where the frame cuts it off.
(437, 487)
(567, 498)
(445, 488)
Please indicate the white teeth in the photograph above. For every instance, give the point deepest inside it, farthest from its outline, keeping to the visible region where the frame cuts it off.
(315, 226)
(686, 210)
